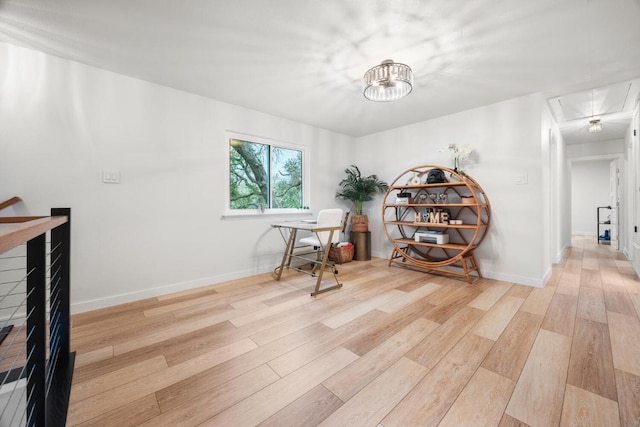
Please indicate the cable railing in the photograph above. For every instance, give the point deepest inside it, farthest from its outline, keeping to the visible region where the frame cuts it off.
(36, 365)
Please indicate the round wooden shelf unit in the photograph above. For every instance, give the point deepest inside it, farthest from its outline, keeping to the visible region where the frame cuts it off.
(421, 209)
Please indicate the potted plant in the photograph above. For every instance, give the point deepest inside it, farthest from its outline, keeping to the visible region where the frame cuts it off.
(360, 189)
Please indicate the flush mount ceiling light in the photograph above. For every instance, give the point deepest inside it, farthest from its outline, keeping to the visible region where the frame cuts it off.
(387, 82)
(595, 126)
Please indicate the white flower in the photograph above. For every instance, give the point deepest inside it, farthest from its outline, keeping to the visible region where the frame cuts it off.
(464, 152)
(458, 154)
(461, 153)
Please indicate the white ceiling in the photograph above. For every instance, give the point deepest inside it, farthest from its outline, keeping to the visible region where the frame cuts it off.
(613, 105)
(304, 59)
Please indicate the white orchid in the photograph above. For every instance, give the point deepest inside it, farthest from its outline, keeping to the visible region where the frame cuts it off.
(457, 154)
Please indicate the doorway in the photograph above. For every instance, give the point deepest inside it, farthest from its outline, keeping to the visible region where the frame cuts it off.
(595, 199)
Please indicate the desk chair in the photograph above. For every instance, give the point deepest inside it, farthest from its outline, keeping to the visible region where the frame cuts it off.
(326, 218)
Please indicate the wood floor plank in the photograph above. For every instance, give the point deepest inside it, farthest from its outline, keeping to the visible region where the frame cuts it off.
(519, 291)
(111, 399)
(97, 385)
(200, 341)
(97, 355)
(305, 353)
(265, 296)
(538, 300)
(381, 331)
(358, 310)
(509, 421)
(497, 318)
(268, 311)
(300, 320)
(309, 410)
(591, 305)
(114, 335)
(635, 298)
(611, 278)
(561, 314)
(442, 312)
(265, 403)
(537, 397)
(628, 386)
(290, 295)
(216, 298)
(508, 356)
(488, 298)
(431, 398)
(411, 285)
(430, 351)
(204, 309)
(376, 400)
(591, 363)
(619, 302)
(346, 383)
(173, 349)
(191, 388)
(481, 402)
(176, 330)
(195, 411)
(624, 331)
(591, 279)
(131, 414)
(107, 321)
(408, 298)
(569, 283)
(582, 408)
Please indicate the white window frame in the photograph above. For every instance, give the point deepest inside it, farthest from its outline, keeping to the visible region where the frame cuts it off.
(228, 212)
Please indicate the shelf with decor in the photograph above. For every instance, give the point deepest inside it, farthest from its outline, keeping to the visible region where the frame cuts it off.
(436, 226)
(604, 225)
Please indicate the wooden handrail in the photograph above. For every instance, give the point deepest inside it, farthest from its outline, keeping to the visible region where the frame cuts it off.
(9, 202)
(16, 219)
(18, 233)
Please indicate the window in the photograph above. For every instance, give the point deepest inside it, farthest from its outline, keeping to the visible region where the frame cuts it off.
(265, 175)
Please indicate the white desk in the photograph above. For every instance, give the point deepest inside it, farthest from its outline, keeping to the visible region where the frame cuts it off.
(291, 228)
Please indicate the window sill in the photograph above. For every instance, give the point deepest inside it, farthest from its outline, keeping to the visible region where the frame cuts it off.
(254, 213)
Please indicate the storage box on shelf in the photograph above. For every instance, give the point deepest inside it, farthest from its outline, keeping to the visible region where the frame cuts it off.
(458, 209)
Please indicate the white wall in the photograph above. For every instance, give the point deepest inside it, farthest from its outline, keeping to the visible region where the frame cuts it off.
(507, 140)
(160, 230)
(632, 167)
(564, 177)
(589, 189)
(559, 189)
(602, 148)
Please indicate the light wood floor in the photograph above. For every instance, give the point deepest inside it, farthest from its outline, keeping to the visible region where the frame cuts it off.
(394, 347)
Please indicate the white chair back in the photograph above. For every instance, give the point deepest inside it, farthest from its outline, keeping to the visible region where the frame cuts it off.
(329, 218)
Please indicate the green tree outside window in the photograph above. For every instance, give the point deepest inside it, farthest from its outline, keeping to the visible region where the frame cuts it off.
(263, 175)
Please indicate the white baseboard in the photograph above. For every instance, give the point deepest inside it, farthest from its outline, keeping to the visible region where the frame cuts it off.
(583, 233)
(560, 255)
(95, 304)
(520, 280)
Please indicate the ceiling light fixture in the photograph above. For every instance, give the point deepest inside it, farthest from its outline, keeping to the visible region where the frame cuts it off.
(595, 126)
(387, 82)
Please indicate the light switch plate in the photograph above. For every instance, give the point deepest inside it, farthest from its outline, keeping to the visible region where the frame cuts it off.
(111, 176)
(522, 180)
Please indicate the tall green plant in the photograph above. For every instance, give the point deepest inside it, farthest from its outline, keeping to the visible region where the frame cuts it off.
(360, 189)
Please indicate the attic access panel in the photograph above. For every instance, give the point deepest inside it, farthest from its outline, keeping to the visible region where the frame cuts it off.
(596, 102)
